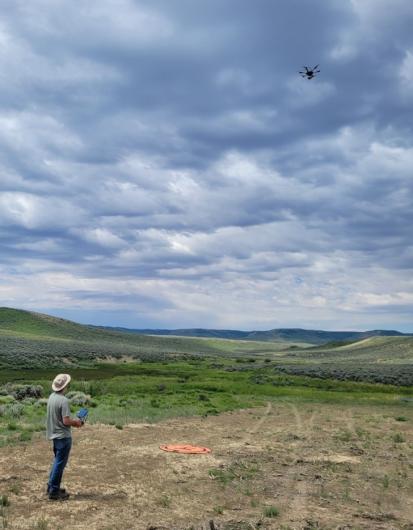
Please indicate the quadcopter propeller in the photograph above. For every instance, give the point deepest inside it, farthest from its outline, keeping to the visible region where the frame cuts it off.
(309, 73)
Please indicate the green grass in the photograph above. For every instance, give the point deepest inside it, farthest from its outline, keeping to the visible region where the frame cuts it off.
(15, 488)
(25, 436)
(164, 501)
(237, 471)
(4, 500)
(271, 511)
(153, 391)
(201, 378)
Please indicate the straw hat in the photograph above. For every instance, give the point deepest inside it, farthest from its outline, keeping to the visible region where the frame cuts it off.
(60, 382)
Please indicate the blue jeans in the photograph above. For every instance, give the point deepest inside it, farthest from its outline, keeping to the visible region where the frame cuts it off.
(61, 449)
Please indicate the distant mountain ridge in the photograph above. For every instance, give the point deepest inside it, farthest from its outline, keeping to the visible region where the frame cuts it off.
(316, 337)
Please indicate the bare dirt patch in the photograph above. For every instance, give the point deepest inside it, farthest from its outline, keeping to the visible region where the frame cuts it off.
(321, 466)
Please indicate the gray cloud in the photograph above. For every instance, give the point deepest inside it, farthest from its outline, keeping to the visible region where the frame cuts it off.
(165, 161)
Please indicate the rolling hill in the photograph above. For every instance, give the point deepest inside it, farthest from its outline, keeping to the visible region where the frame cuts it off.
(29, 339)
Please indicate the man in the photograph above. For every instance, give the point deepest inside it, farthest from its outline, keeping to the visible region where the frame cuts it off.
(59, 425)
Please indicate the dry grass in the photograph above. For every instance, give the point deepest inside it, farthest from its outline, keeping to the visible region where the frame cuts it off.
(286, 458)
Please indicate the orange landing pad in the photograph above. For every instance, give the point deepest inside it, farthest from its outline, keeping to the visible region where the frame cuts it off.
(184, 448)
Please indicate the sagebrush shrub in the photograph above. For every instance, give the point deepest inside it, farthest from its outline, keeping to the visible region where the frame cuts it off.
(21, 392)
(78, 398)
(42, 402)
(12, 410)
(16, 410)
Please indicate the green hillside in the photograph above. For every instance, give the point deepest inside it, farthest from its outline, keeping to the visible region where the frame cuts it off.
(39, 324)
(377, 359)
(393, 346)
(378, 349)
(29, 339)
(34, 340)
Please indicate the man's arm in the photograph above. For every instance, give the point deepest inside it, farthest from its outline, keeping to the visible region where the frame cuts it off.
(67, 420)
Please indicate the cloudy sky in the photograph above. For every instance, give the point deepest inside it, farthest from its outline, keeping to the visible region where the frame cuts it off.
(163, 164)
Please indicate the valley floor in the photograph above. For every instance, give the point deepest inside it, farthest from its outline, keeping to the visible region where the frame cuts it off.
(320, 466)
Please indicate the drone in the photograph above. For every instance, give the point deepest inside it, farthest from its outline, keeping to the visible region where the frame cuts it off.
(309, 72)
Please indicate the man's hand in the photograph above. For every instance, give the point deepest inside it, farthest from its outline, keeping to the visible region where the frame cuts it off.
(67, 420)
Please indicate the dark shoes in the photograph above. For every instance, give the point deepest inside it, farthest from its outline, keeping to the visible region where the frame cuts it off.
(61, 495)
(61, 490)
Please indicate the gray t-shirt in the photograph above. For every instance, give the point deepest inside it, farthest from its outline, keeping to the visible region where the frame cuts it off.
(57, 407)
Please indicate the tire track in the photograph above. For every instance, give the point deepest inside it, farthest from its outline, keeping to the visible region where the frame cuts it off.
(260, 421)
(299, 501)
